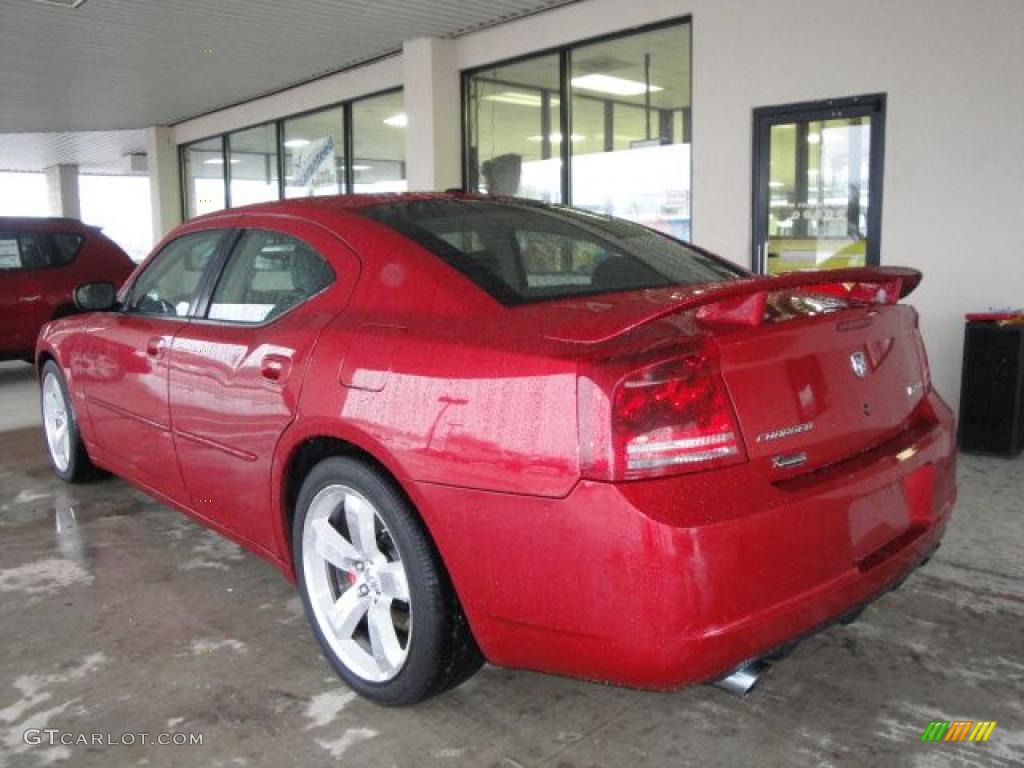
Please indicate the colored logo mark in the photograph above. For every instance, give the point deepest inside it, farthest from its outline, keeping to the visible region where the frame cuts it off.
(958, 730)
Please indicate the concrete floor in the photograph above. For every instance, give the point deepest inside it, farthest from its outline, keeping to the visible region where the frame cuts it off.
(119, 615)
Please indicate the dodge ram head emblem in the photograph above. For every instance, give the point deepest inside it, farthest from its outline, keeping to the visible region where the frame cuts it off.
(859, 363)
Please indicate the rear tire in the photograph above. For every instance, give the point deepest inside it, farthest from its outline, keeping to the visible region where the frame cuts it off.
(68, 456)
(374, 588)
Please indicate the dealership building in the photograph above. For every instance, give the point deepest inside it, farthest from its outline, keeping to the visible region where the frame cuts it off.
(883, 135)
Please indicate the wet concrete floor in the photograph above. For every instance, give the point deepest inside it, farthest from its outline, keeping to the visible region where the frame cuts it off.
(120, 616)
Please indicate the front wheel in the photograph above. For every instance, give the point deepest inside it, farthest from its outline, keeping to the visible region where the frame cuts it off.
(67, 452)
(374, 588)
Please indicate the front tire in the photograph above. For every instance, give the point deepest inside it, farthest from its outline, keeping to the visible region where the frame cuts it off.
(68, 456)
(375, 591)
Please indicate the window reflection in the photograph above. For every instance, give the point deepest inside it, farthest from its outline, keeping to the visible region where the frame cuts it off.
(818, 194)
(629, 141)
(204, 176)
(312, 149)
(314, 154)
(516, 131)
(631, 112)
(253, 159)
(378, 141)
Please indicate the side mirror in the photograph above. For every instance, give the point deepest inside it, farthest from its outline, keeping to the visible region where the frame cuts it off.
(95, 297)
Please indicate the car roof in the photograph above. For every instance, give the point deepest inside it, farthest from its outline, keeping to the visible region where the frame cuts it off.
(42, 222)
(349, 204)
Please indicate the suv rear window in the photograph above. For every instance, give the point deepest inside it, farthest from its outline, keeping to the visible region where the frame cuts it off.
(38, 250)
(66, 246)
(521, 252)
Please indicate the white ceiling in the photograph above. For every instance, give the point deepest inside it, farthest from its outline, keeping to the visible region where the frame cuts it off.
(95, 151)
(111, 65)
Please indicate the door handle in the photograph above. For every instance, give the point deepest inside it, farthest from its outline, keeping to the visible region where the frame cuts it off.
(155, 347)
(275, 367)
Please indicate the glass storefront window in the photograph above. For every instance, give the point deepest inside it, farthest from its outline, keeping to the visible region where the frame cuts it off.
(312, 149)
(253, 158)
(631, 100)
(628, 136)
(818, 202)
(314, 154)
(378, 143)
(204, 177)
(515, 131)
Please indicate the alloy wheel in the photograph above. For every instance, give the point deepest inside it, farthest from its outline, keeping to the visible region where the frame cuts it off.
(357, 585)
(56, 422)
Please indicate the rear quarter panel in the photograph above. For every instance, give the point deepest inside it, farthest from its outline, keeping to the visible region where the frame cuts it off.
(447, 410)
(454, 387)
(438, 382)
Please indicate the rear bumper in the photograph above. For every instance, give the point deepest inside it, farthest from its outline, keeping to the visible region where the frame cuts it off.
(665, 582)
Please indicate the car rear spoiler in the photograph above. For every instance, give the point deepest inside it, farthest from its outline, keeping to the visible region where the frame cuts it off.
(742, 302)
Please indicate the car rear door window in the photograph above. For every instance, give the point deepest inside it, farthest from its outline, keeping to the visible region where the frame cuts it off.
(520, 252)
(268, 274)
(169, 285)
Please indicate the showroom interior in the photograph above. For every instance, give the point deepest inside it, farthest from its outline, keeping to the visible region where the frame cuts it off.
(782, 136)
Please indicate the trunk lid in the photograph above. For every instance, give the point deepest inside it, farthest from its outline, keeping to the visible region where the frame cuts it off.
(816, 390)
(818, 367)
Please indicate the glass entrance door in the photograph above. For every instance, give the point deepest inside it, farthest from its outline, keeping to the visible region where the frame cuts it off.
(817, 185)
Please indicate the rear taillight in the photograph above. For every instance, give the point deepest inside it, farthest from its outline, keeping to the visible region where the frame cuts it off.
(668, 418)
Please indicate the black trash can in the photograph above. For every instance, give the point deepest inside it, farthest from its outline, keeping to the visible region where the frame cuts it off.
(992, 388)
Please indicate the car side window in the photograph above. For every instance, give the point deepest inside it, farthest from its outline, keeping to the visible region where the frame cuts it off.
(169, 284)
(27, 250)
(268, 274)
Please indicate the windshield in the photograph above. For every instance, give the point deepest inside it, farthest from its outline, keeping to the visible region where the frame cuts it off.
(518, 251)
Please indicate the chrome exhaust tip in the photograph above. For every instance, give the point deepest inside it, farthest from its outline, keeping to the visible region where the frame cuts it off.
(742, 679)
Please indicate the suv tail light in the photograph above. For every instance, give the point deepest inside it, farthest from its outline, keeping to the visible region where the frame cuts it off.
(668, 418)
(922, 355)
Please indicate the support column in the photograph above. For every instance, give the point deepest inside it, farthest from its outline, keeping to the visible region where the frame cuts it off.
(62, 188)
(433, 132)
(164, 180)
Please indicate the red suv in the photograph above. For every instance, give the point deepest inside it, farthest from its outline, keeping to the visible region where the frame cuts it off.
(488, 428)
(41, 262)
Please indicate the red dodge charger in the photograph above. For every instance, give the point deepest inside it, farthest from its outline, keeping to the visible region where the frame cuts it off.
(481, 428)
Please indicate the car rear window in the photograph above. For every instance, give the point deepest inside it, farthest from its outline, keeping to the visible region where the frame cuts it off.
(521, 252)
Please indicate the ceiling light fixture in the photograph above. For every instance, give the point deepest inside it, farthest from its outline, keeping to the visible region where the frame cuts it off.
(361, 167)
(397, 121)
(63, 3)
(617, 86)
(556, 137)
(220, 161)
(516, 98)
(296, 143)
